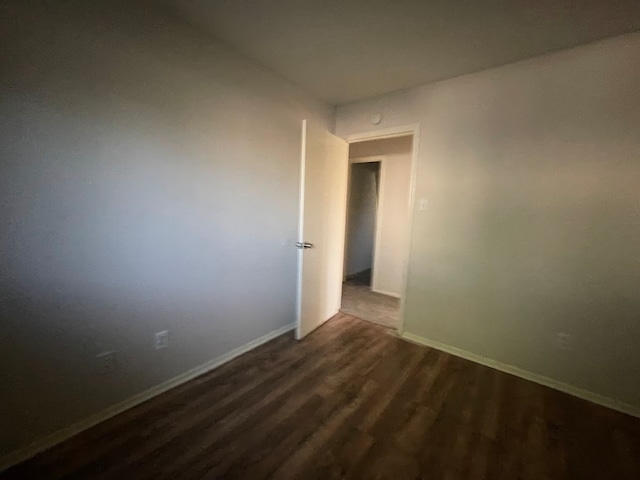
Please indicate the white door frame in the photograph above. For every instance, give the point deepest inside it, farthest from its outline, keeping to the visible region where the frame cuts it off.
(400, 131)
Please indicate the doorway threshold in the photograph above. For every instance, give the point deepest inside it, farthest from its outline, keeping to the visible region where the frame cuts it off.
(360, 301)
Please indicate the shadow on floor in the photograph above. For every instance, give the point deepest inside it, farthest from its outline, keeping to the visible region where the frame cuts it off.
(360, 279)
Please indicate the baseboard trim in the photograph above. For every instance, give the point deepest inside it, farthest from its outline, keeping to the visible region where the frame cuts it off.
(59, 436)
(384, 292)
(527, 375)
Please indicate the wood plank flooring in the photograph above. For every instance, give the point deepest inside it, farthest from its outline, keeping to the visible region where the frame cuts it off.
(351, 401)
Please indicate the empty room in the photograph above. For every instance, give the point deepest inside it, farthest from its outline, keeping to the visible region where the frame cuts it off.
(319, 239)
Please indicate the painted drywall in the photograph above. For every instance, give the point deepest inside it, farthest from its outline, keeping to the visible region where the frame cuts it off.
(532, 172)
(149, 181)
(361, 216)
(384, 146)
(392, 242)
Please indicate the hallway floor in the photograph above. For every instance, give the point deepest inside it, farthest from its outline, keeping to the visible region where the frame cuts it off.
(358, 300)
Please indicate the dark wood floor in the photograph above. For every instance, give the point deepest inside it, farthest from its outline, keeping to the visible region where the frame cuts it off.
(352, 401)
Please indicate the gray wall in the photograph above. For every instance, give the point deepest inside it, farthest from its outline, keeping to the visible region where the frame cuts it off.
(532, 172)
(140, 161)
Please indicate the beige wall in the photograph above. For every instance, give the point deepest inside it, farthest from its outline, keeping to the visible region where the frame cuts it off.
(532, 172)
(392, 239)
(140, 163)
(384, 146)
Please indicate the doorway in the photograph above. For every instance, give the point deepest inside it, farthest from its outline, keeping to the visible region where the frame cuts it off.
(324, 172)
(362, 210)
(377, 231)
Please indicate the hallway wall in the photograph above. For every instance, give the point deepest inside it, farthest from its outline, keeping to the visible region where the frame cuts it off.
(361, 216)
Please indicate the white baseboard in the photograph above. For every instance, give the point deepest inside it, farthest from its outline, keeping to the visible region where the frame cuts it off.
(55, 438)
(619, 406)
(384, 292)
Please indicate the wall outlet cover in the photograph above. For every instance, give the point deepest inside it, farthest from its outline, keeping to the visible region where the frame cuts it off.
(161, 339)
(106, 362)
(562, 340)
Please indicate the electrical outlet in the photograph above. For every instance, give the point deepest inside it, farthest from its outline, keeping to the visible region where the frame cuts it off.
(562, 340)
(161, 339)
(106, 362)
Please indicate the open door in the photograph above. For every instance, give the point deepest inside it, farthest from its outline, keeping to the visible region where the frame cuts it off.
(323, 203)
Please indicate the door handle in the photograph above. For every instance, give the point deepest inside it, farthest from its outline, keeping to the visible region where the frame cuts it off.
(304, 245)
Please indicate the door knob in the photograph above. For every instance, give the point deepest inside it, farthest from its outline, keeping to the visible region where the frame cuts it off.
(304, 245)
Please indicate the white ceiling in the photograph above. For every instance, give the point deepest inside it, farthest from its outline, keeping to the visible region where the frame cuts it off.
(346, 50)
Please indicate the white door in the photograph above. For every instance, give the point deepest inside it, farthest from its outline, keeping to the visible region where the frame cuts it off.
(323, 203)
